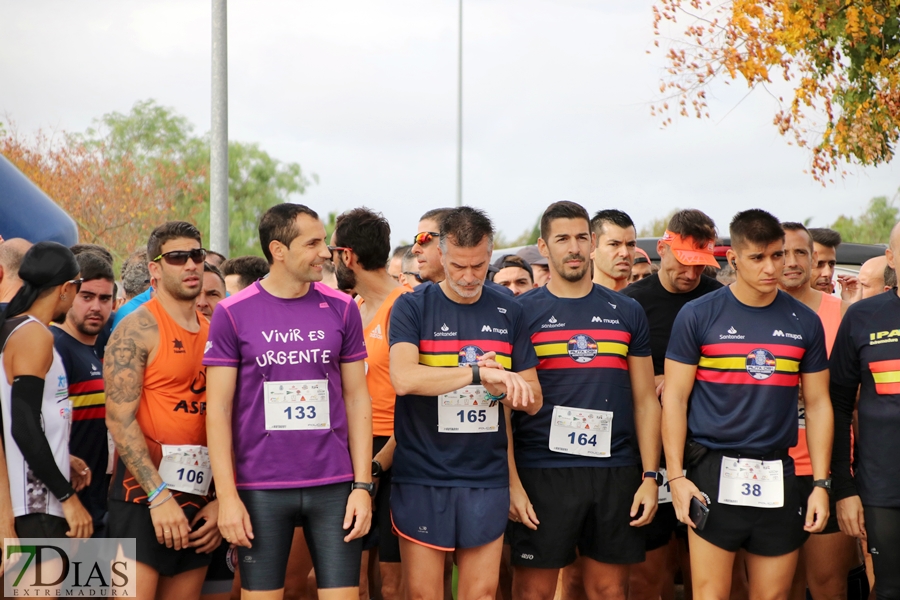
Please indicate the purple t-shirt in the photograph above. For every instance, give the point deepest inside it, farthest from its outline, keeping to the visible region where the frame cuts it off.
(271, 339)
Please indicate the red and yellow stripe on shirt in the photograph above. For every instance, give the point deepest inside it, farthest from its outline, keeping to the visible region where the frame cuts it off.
(88, 400)
(886, 374)
(727, 364)
(552, 348)
(441, 353)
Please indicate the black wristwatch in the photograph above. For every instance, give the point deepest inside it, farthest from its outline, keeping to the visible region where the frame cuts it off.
(476, 374)
(377, 469)
(654, 475)
(823, 483)
(359, 485)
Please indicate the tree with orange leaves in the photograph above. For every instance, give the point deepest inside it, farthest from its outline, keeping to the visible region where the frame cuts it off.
(841, 57)
(114, 202)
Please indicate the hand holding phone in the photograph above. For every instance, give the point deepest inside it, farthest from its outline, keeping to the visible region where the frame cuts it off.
(699, 513)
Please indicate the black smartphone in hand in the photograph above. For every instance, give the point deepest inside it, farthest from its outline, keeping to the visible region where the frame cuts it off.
(698, 514)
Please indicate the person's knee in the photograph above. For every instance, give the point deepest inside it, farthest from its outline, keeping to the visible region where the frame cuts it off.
(390, 583)
(608, 589)
(532, 589)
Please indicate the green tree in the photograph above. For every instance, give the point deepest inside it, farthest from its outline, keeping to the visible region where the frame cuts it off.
(151, 135)
(526, 238)
(873, 226)
(657, 227)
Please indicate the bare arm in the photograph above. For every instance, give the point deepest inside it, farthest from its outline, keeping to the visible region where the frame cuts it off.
(530, 378)
(819, 421)
(359, 418)
(359, 425)
(220, 386)
(520, 508)
(647, 412)
(385, 456)
(128, 352)
(677, 392)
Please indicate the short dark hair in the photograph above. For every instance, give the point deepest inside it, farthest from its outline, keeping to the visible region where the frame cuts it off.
(93, 265)
(217, 256)
(279, 224)
(367, 233)
(826, 237)
(96, 249)
(400, 251)
(693, 223)
(436, 214)
(467, 226)
(171, 230)
(795, 226)
(562, 210)
(755, 226)
(247, 268)
(513, 260)
(890, 276)
(610, 215)
(208, 268)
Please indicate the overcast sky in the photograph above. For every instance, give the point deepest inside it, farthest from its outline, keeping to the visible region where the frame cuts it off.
(363, 94)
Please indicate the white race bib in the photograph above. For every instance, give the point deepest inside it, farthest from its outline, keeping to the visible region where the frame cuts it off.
(581, 431)
(186, 469)
(297, 405)
(746, 482)
(665, 492)
(467, 410)
(801, 412)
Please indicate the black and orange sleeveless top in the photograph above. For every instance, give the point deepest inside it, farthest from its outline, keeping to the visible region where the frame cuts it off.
(173, 401)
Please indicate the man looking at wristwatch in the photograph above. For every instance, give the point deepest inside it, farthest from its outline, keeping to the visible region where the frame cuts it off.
(451, 477)
(287, 393)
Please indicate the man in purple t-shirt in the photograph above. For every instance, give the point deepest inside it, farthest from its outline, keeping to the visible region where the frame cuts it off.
(286, 392)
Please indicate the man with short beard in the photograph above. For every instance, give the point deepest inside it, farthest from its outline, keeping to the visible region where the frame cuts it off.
(75, 341)
(826, 558)
(450, 488)
(685, 250)
(156, 410)
(361, 241)
(585, 473)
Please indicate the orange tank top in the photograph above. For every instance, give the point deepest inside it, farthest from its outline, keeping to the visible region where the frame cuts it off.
(378, 363)
(173, 395)
(830, 314)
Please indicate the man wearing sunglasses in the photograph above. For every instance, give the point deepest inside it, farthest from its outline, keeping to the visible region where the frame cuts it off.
(428, 254)
(425, 245)
(458, 349)
(359, 264)
(286, 358)
(155, 410)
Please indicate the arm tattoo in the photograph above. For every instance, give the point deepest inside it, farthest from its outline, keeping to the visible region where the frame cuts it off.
(129, 348)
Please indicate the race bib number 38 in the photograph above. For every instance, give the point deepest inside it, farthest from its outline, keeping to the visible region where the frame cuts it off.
(297, 405)
(468, 411)
(745, 482)
(186, 468)
(581, 431)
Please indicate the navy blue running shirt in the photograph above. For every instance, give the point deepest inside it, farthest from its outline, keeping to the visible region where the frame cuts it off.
(582, 345)
(866, 353)
(449, 335)
(749, 361)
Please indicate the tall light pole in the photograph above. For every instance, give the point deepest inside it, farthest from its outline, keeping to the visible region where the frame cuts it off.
(459, 127)
(218, 151)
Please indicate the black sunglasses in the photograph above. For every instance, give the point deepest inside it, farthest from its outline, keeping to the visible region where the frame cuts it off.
(416, 275)
(177, 258)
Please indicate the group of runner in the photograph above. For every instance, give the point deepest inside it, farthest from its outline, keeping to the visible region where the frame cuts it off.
(592, 424)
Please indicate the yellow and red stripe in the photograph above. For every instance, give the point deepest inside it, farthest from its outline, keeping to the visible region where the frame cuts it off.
(727, 364)
(552, 348)
(445, 353)
(88, 400)
(886, 374)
